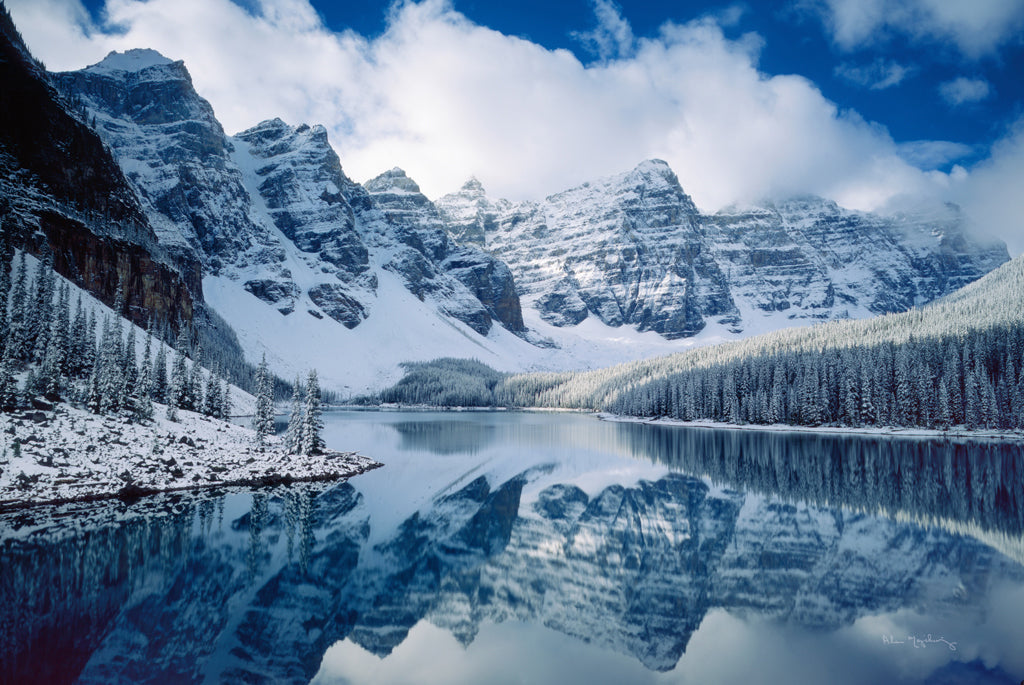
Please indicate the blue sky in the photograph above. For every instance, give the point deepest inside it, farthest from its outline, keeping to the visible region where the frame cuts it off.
(872, 103)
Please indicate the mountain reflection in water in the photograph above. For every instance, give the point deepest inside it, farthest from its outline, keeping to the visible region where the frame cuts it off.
(628, 540)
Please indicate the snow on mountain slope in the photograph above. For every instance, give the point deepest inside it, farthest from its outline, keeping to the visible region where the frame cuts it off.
(633, 250)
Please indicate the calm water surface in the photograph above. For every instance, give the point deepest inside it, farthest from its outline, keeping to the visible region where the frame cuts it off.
(536, 548)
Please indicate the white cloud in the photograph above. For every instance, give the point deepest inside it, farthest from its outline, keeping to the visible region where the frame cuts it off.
(977, 28)
(932, 154)
(991, 193)
(963, 90)
(877, 75)
(445, 99)
(613, 36)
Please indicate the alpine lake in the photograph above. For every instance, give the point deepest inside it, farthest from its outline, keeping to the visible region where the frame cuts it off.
(530, 547)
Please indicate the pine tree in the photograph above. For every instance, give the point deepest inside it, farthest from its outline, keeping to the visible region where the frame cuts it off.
(129, 363)
(211, 396)
(9, 394)
(93, 396)
(263, 418)
(177, 388)
(143, 390)
(42, 305)
(225, 395)
(144, 385)
(109, 372)
(312, 424)
(293, 436)
(159, 385)
(194, 383)
(6, 264)
(90, 356)
(17, 331)
(77, 341)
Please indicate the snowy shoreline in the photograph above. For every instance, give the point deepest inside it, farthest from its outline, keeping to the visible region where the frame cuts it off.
(66, 455)
(882, 431)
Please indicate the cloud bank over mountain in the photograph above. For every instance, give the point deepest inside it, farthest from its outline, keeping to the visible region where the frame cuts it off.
(445, 98)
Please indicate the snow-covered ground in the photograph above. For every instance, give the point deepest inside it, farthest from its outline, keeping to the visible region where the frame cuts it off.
(68, 454)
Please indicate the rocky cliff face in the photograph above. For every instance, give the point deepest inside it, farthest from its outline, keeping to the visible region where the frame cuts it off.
(60, 186)
(428, 258)
(174, 153)
(633, 250)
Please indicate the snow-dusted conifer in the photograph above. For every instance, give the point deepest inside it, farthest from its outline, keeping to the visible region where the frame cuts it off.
(41, 306)
(9, 393)
(312, 423)
(263, 418)
(177, 385)
(225, 395)
(129, 363)
(6, 264)
(211, 396)
(194, 383)
(159, 384)
(293, 435)
(89, 352)
(16, 331)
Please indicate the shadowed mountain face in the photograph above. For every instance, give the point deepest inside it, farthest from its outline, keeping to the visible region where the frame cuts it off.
(61, 190)
(256, 587)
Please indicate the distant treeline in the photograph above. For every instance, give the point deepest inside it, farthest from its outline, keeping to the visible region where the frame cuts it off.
(445, 382)
(974, 380)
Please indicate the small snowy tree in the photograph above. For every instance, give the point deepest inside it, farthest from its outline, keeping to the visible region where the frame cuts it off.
(263, 417)
(293, 436)
(312, 424)
(9, 395)
(159, 383)
(225, 400)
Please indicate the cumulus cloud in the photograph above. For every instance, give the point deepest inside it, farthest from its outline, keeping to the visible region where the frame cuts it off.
(613, 36)
(963, 90)
(445, 98)
(877, 75)
(991, 194)
(976, 28)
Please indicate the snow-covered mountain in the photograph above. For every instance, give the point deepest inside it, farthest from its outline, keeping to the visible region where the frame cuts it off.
(317, 270)
(305, 264)
(633, 250)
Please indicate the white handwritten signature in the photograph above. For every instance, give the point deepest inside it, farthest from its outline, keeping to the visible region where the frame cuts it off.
(918, 642)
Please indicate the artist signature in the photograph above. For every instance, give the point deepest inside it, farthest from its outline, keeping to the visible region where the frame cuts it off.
(919, 642)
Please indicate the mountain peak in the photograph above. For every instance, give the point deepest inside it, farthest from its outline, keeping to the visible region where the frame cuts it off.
(655, 169)
(395, 180)
(473, 185)
(131, 61)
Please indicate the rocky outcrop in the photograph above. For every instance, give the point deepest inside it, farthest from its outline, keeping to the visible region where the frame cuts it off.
(336, 302)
